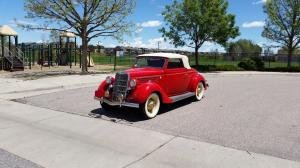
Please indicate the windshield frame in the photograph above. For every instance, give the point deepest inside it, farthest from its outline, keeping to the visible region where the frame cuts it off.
(146, 57)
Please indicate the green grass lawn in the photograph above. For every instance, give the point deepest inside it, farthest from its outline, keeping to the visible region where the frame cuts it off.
(210, 61)
(103, 59)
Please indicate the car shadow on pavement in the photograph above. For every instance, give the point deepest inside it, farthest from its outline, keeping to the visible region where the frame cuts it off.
(131, 115)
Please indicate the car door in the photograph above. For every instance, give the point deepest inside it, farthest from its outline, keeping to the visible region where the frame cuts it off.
(175, 77)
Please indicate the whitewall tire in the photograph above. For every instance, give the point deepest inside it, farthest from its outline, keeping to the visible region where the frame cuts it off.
(151, 107)
(199, 92)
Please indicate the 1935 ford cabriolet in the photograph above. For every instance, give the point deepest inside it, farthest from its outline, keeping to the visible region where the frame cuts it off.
(154, 79)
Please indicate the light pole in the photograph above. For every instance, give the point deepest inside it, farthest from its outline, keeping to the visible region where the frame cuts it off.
(158, 45)
(99, 43)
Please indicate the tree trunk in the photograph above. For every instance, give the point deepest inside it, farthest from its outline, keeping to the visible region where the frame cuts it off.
(84, 54)
(289, 58)
(197, 55)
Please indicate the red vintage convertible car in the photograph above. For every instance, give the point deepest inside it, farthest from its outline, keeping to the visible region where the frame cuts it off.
(154, 79)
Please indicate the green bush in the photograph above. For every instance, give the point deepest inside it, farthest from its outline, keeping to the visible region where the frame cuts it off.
(207, 68)
(252, 63)
(283, 69)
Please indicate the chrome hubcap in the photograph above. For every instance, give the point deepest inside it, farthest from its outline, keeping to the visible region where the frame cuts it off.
(199, 89)
(151, 104)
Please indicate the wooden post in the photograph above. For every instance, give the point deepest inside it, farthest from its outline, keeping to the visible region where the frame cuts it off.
(56, 53)
(9, 49)
(59, 51)
(16, 46)
(80, 55)
(89, 58)
(49, 50)
(30, 55)
(75, 51)
(9, 44)
(2, 49)
(68, 51)
(33, 55)
(115, 60)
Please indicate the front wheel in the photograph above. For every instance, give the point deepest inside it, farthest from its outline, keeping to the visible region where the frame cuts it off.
(105, 106)
(151, 107)
(199, 92)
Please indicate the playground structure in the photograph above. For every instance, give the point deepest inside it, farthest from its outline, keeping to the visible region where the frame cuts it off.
(62, 53)
(11, 58)
(18, 56)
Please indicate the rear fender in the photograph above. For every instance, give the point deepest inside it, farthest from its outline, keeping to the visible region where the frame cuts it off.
(195, 80)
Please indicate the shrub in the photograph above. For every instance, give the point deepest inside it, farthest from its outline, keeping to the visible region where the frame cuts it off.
(207, 68)
(252, 63)
(283, 69)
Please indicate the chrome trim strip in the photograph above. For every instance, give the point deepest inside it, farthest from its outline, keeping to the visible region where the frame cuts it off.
(182, 96)
(178, 73)
(127, 104)
(153, 76)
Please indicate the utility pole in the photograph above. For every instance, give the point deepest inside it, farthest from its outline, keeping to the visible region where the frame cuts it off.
(158, 45)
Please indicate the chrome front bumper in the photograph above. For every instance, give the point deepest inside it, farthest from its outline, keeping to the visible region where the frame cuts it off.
(114, 103)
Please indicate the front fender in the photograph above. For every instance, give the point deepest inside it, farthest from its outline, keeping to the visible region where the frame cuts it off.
(101, 89)
(142, 92)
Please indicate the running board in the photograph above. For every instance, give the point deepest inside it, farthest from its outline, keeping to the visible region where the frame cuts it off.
(181, 97)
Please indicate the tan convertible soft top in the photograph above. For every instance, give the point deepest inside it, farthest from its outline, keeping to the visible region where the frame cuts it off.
(184, 58)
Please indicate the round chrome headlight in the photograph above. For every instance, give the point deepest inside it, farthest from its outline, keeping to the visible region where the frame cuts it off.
(108, 79)
(132, 83)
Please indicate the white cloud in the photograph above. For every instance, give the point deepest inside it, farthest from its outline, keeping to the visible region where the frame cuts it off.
(136, 42)
(139, 29)
(166, 45)
(253, 24)
(211, 47)
(151, 23)
(259, 2)
(151, 43)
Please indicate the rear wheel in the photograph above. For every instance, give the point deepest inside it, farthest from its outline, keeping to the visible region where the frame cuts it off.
(151, 107)
(199, 92)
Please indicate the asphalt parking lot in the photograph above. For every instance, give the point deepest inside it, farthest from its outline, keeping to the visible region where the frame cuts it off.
(257, 113)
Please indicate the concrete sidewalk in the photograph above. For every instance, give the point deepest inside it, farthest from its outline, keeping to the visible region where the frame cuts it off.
(12, 88)
(55, 139)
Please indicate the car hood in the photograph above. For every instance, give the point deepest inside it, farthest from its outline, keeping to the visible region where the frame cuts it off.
(143, 72)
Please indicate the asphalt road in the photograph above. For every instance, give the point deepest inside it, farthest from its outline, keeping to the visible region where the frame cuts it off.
(9, 160)
(257, 113)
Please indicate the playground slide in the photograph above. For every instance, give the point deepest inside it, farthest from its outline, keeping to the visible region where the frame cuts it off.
(90, 62)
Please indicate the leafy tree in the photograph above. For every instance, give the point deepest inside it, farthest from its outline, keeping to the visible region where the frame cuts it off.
(86, 18)
(54, 36)
(244, 48)
(284, 50)
(283, 24)
(193, 22)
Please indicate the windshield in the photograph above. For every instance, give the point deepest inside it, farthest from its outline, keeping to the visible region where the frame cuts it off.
(153, 62)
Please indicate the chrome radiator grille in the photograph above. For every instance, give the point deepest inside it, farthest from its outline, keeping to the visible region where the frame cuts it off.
(120, 86)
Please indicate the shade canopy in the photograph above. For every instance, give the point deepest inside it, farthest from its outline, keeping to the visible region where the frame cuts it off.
(67, 34)
(7, 31)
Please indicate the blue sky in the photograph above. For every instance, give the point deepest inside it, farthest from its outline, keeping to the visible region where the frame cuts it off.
(249, 17)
